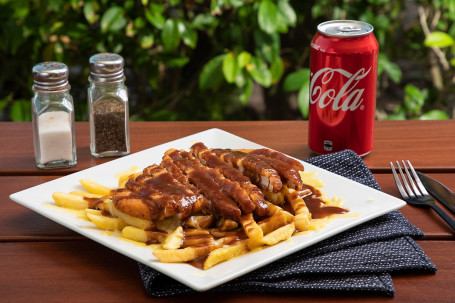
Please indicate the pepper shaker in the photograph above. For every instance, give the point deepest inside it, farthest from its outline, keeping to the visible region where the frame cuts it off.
(53, 117)
(108, 106)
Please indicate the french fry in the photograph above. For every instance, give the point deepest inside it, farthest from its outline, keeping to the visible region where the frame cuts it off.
(224, 253)
(70, 201)
(124, 178)
(302, 222)
(143, 236)
(103, 222)
(309, 177)
(252, 230)
(275, 209)
(95, 188)
(135, 234)
(175, 239)
(302, 214)
(85, 194)
(272, 223)
(280, 234)
(182, 255)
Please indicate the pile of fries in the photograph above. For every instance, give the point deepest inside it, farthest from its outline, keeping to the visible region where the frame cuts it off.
(176, 243)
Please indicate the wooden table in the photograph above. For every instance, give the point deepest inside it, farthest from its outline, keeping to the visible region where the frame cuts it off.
(42, 261)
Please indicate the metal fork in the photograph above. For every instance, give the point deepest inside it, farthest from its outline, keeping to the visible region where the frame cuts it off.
(416, 194)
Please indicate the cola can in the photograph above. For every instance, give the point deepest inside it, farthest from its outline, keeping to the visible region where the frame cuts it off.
(343, 75)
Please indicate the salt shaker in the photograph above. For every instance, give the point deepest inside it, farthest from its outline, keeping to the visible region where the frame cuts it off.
(108, 106)
(53, 117)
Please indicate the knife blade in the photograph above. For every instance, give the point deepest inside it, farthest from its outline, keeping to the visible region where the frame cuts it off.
(442, 193)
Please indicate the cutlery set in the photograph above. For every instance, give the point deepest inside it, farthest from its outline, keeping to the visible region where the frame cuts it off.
(413, 188)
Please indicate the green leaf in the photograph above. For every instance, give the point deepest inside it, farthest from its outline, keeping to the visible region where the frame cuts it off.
(287, 12)
(295, 81)
(21, 111)
(56, 26)
(204, 20)
(3, 104)
(413, 96)
(259, 71)
(172, 59)
(243, 59)
(212, 74)
(281, 26)
(128, 5)
(236, 3)
(268, 45)
(155, 15)
(439, 39)
(435, 114)
(397, 116)
(170, 35)
(303, 100)
(147, 41)
(139, 23)
(113, 19)
(241, 78)
(267, 16)
(230, 67)
(246, 92)
(188, 34)
(90, 11)
(391, 69)
(277, 70)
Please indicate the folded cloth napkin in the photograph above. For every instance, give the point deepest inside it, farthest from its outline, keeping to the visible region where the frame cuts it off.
(359, 260)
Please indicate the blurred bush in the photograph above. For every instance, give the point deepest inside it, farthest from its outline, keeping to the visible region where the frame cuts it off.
(226, 59)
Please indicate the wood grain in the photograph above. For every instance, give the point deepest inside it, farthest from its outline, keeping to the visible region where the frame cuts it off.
(42, 261)
(394, 140)
(89, 272)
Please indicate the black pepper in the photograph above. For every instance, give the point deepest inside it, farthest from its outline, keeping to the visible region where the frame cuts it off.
(109, 125)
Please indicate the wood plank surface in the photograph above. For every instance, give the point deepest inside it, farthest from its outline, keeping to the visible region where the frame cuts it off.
(42, 261)
(88, 272)
(393, 141)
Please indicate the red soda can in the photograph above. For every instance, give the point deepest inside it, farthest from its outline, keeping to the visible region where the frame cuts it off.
(343, 73)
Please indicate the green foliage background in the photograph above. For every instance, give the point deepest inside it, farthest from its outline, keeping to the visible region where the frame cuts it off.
(226, 59)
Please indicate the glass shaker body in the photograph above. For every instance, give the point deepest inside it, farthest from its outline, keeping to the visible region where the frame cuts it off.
(108, 106)
(53, 118)
(109, 119)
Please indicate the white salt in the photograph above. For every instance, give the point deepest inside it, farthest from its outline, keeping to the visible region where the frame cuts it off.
(55, 136)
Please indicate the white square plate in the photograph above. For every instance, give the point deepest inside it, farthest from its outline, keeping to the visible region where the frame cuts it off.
(368, 203)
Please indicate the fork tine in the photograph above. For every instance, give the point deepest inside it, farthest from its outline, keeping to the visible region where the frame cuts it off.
(405, 182)
(398, 182)
(411, 181)
(419, 183)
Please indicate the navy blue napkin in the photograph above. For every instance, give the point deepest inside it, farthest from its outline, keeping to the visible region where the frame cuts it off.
(359, 260)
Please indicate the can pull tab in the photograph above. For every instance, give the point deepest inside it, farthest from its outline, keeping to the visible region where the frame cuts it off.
(348, 28)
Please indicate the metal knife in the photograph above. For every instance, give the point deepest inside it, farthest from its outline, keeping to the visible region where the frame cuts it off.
(439, 191)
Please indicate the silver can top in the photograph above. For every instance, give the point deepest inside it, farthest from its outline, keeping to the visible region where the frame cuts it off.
(50, 76)
(106, 67)
(345, 28)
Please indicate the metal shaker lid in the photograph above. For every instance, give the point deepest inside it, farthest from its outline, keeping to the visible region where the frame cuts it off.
(345, 28)
(50, 76)
(106, 67)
